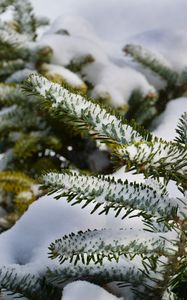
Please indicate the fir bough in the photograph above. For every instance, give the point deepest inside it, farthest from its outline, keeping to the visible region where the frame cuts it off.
(153, 258)
(161, 245)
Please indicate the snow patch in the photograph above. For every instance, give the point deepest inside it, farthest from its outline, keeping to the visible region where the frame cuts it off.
(79, 290)
(166, 123)
(111, 81)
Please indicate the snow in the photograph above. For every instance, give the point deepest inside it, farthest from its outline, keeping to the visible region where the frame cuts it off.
(116, 83)
(104, 189)
(109, 26)
(161, 42)
(79, 290)
(114, 75)
(101, 120)
(27, 242)
(111, 81)
(151, 155)
(20, 75)
(122, 22)
(56, 71)
(164, 127)
(94, 32)
(166, 123)
(116, 20)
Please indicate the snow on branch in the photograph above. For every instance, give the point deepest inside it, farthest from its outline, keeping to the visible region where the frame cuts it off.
(109, 194)
(84, 112)
(4, 4)
(25, 19)
(16, 46)
(96, 245)
(13, 118)
(6, 117)
(152, 61)
(157, 158)
(26, 284)
(125, 270)
(10, 94)
(15, 41)
(8, 67)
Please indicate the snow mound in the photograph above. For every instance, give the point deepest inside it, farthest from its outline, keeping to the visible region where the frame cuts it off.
(79, 290)
(46, 220)
(116, 20)
(109, 80)
(62, 75)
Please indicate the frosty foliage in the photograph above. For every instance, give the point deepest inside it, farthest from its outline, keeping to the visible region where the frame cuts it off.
(149, 155)
(100, 121)
(145, 247)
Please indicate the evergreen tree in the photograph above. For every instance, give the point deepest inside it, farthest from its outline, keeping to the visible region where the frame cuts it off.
(39, 129)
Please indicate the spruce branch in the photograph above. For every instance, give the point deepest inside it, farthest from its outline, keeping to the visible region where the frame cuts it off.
(10, 94)
(125, 271)
(29, 144)
(142, 108)
(17, 118)
(8, 67)
(6, 117)
(152, 62)
(25, 18)
(84, 113)
(13, 45)
(179, 280)
(109, 193)
(27, 285)
(25, 189)
(157, 158)
(77, 63)
(96, 245)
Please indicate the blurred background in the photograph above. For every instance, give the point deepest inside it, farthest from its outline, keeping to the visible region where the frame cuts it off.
(116, 20)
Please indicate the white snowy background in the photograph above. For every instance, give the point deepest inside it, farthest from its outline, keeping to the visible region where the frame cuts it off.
(105, 26)
(115, 20)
